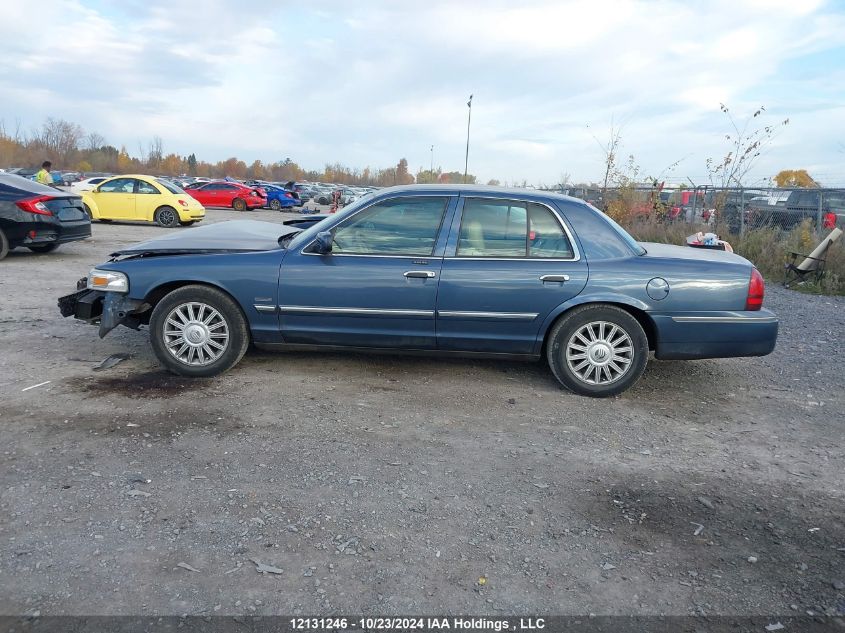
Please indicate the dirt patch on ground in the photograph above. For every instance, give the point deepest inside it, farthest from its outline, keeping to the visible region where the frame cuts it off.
(154, 384)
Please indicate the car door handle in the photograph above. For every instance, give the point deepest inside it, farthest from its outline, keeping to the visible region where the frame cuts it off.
(425, 274)
(553, 278)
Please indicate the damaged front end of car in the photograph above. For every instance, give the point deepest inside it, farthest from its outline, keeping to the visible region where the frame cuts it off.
(105, 308)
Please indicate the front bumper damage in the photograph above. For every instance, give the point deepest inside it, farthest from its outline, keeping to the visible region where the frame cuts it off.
(108, 309)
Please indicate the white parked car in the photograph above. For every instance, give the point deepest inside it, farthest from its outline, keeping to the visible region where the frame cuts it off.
(87, 184)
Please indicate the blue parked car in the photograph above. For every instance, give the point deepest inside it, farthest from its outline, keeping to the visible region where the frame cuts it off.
(435, 269)
(279, 198)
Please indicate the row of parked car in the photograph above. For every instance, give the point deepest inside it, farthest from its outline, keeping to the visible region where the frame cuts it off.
(41, 218)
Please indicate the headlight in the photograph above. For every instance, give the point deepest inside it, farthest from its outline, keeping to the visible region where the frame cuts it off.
(108, 280)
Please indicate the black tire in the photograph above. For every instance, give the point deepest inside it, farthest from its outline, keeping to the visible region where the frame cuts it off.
(275, 204)
(88, 211)
(609, 360)
(166, 217)
(4, 244)
(238, 204)
(179, 361)
(43, 248)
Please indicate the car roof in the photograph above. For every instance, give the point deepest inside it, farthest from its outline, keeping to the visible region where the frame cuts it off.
(25, 184)
(477, 190)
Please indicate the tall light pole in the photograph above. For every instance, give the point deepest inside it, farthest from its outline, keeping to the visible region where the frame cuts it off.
(469, 119)
(431, 170)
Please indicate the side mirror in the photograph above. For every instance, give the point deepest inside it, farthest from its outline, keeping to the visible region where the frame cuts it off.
(323, 243)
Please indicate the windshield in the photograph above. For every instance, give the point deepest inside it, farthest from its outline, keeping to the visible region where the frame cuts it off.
(171, 187)
(630, 241)
(308, 234)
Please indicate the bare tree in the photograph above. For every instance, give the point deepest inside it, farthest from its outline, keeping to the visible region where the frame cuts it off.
(59, 138)
(94, 141)
(610, 149)
(745, 145)
(155, 152)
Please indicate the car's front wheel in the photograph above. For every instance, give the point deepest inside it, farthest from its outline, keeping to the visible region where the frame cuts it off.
(198, 331)
(597, 350)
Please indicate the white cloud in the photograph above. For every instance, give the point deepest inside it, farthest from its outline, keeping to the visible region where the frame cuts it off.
(369, 83)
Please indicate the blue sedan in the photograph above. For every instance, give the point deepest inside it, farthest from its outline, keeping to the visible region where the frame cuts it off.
(279, 198)
(435, 269)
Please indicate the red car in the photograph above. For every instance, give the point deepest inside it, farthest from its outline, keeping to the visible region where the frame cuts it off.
(227, 194)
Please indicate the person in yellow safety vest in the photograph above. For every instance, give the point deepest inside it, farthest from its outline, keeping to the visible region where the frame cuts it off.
(44, 176)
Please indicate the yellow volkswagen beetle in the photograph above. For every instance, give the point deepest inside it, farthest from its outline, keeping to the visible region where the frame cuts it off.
(143, 198)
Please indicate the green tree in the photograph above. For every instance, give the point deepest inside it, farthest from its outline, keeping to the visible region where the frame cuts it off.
(192, 164)
(428, 177)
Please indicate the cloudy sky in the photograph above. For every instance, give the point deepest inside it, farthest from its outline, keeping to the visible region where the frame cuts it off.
(368, 82)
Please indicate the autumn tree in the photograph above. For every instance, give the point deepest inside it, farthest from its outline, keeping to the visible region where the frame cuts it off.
(124, 163)
(456, 177)
(402, 175)
(256, 171)
(795, 178)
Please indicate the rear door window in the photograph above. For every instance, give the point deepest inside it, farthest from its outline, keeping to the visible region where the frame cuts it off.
(505, 229)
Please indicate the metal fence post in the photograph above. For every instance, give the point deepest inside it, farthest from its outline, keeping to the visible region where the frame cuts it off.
(820, 212)
(694, 202)
(741, 211)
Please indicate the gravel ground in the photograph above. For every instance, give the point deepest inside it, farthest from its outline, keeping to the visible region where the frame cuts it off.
(383, 485)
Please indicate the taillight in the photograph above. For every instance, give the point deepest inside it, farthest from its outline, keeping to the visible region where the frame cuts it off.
(287, 195)
(35, 205)
(756, 290)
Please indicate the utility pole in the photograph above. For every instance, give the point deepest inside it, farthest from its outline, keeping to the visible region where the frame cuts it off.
(431, 170)
(469, 119)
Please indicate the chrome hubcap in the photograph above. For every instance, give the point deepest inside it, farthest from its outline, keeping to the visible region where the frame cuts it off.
(195, 333)
(599, 353)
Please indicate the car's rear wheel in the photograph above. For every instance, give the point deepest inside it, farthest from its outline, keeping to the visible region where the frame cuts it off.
(4, 244)
(275, 204)
(198, 331)
(167, 217)
(43, 248)
(597, 350)
(238, 204)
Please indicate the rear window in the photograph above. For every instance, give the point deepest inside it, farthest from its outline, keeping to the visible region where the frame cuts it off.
(171, 187)
(626, 237)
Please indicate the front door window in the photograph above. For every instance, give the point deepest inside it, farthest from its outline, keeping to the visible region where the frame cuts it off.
(400, 226)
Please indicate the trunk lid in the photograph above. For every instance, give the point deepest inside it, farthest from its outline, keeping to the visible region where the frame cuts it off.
(672, 251)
